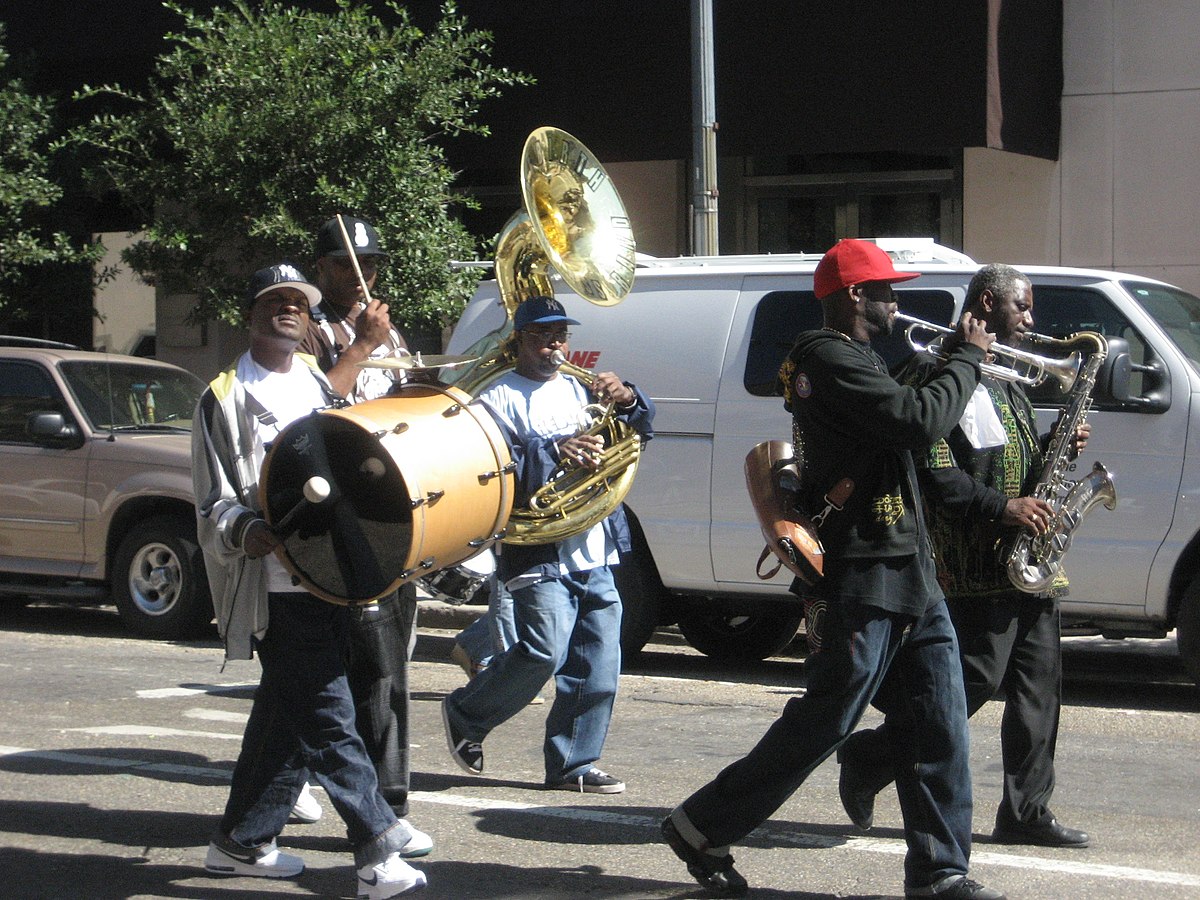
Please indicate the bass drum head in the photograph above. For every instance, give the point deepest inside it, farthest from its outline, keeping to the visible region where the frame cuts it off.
(419, 481)
(353, 546)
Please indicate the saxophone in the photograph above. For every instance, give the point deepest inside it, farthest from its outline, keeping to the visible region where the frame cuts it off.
(1036, 560)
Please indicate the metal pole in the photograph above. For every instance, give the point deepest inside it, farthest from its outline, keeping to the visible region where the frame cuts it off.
(704, 133)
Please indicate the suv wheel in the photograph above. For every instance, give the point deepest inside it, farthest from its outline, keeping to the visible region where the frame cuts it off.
(748, 635)
(158, 580)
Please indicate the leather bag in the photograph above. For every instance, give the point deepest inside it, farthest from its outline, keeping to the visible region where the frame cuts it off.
(773, 480)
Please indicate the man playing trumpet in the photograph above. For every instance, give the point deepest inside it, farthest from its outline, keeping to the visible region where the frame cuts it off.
(977, 484)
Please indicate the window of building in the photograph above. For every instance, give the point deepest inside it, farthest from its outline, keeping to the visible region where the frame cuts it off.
(807, 203)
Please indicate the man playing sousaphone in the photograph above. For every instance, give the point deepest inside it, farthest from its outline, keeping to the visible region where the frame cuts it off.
(566, 606)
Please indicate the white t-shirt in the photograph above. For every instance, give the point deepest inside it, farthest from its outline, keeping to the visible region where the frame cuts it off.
(551, 409)
(288, 396)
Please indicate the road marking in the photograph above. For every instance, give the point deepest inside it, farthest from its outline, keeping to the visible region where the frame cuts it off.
(116, 762)
(893, 847)
(191, 690)
(148, 731)
(216, 715)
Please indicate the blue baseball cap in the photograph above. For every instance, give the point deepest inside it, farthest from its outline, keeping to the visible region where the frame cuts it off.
(536, 310)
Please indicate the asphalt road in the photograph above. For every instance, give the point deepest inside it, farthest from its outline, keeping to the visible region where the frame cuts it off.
(115, 754)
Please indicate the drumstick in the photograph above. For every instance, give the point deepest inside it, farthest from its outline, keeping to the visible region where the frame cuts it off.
(316, 491)
(362, 282)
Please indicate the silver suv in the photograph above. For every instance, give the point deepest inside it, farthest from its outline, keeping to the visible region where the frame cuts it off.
(96, 487)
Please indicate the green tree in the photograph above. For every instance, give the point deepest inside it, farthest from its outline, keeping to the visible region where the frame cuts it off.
(34, 246)
(261, 122)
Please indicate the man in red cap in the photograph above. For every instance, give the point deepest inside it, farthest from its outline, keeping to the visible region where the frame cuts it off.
(887, 636)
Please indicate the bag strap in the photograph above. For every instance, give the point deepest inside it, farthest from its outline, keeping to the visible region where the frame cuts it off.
(762, 557)
(835, 499)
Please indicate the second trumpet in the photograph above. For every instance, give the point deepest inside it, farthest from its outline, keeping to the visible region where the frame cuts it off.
(1009, 363)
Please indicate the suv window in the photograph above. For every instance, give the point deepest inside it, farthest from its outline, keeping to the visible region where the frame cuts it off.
(24, 388)
(782, 315)
(123, 395)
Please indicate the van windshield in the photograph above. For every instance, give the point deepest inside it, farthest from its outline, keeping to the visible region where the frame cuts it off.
(1176, 311)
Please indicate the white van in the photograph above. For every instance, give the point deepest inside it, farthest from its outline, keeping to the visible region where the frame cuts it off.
(705, 338)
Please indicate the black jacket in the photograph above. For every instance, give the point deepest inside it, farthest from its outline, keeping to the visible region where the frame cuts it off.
(854, 420)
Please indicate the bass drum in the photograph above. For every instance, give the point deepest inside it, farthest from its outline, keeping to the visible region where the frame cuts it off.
(419, 481)
(465, 583)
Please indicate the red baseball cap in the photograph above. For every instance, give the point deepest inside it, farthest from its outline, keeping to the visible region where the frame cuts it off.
(851, 261)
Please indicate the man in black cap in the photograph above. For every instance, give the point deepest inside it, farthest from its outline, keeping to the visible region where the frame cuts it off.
(566, 607)
(348, 328)
(302, 722)
(887, 635)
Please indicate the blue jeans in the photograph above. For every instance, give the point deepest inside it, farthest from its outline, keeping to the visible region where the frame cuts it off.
(913, 665)
(1011, 640)
(494, 631)
(569, 628)
(301, 725)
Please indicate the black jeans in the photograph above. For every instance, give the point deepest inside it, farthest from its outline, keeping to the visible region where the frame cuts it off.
(302, 719)
(378, 650)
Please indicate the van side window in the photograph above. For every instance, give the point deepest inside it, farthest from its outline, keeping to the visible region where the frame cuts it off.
(26, 388)
(781, 315)
(1062, 311)
(778, 318)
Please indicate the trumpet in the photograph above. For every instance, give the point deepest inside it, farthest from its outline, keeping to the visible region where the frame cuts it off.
(1010, 364)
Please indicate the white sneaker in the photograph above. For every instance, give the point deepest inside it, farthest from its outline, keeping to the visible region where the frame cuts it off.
(389, 878)
(307, 809)
(226, 858)
(418, 845)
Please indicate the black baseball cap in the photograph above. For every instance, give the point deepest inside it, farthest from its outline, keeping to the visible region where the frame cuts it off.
(281, 276)
(362, 235)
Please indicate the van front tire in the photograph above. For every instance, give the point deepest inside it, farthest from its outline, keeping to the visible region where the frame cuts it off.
(1187, 630)
(740, 635)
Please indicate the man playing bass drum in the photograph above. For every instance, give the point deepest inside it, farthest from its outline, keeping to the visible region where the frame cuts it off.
(977, 484)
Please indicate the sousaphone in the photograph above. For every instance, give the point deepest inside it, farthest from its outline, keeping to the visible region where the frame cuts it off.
(573, 220)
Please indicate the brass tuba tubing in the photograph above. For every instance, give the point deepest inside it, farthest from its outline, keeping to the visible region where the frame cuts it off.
(1011, 364)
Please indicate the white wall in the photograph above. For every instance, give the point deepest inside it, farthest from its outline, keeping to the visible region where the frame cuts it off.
(653, 193)
(1130, 167)
(125, 304)
(1125, 193)
(1010, 208)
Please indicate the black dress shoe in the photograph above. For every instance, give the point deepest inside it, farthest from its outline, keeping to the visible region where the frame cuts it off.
(857, 792)
(715, 874)
(960, 888)
(1043, 834)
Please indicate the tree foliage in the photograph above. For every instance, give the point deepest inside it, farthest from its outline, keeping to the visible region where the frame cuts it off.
(32, 241)
(261, 122)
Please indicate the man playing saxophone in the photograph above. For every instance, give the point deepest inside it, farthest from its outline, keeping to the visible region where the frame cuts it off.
(977, 484)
